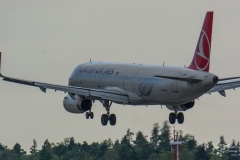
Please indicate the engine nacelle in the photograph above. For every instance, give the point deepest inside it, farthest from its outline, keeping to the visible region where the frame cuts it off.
(188, 105)
(78, 105)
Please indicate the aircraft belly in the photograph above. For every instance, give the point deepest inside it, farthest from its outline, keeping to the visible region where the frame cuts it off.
(137, 101)
(188, 92)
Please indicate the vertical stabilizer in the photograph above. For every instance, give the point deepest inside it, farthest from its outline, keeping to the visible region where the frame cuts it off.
(201, 58)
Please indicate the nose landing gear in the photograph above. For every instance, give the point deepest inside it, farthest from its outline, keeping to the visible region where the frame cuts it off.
(174, 116)
(89, 114)
(108, 117)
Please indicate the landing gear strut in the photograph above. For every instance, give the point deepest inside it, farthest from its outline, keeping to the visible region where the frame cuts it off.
(173, 116)
(108, 117)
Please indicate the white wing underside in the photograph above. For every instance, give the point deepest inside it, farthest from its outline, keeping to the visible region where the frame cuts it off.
(102, 94)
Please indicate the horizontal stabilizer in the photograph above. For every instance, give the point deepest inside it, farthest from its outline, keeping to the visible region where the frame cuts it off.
(226, 84)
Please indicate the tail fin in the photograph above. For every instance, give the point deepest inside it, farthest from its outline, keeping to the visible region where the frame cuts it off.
(201, 58)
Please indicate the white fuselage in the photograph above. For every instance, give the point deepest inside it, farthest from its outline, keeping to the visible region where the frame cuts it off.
(144, 84)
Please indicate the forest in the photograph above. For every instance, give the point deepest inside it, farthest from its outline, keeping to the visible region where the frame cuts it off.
(132, 146)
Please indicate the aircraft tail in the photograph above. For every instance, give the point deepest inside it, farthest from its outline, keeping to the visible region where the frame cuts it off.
(201, 58)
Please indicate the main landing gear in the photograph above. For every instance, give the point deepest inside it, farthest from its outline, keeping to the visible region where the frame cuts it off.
(173, 116)
(108, 117)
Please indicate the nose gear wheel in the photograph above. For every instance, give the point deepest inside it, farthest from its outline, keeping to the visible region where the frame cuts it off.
(89, 114)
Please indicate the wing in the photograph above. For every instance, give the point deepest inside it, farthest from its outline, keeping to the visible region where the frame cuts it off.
(225, 84)
(89, 93)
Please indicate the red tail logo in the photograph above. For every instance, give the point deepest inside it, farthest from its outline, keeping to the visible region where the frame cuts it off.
(201, 59)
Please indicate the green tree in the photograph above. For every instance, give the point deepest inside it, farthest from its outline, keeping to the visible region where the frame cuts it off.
(19, 152)
(166, 155)
(238, 144)
(210, 148)
(69, 149)
(127, 139)
(116, 143)
(233, 151)
(75, 155)
(84, 146)
(94, 149)
(104, 146)
(154, 156)
(111, 154)
(201, 153)
(141, 140)
(33, 149)
(60, 150)
(7, 154)
(154, 139)
(142, 148)
(125, 149)
(233, 144)
(215, 157)
(72, 145)
(46, 151)
(190, 142)
(222, 146)
(187, 154)
(2, 147)
(66, 141)
(165, 137)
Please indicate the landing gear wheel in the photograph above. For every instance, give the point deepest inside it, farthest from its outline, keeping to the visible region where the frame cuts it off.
(112, 119)
(172, 118)
(91, 115)
(180, 118)
(87, 115)
(104, 119)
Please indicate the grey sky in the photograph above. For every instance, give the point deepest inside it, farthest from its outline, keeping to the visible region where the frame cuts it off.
(44, 40)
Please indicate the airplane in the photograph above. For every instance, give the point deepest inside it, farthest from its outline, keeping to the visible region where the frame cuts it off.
(141, 84)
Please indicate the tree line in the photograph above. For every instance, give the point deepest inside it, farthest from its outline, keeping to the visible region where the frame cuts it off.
(130, 147)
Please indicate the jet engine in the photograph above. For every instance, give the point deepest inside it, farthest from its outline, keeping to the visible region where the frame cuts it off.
(78, 105)
(188, 105)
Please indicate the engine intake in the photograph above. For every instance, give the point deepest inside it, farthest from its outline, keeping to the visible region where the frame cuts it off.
(85, 105)
(78, 105)
(188, 105)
